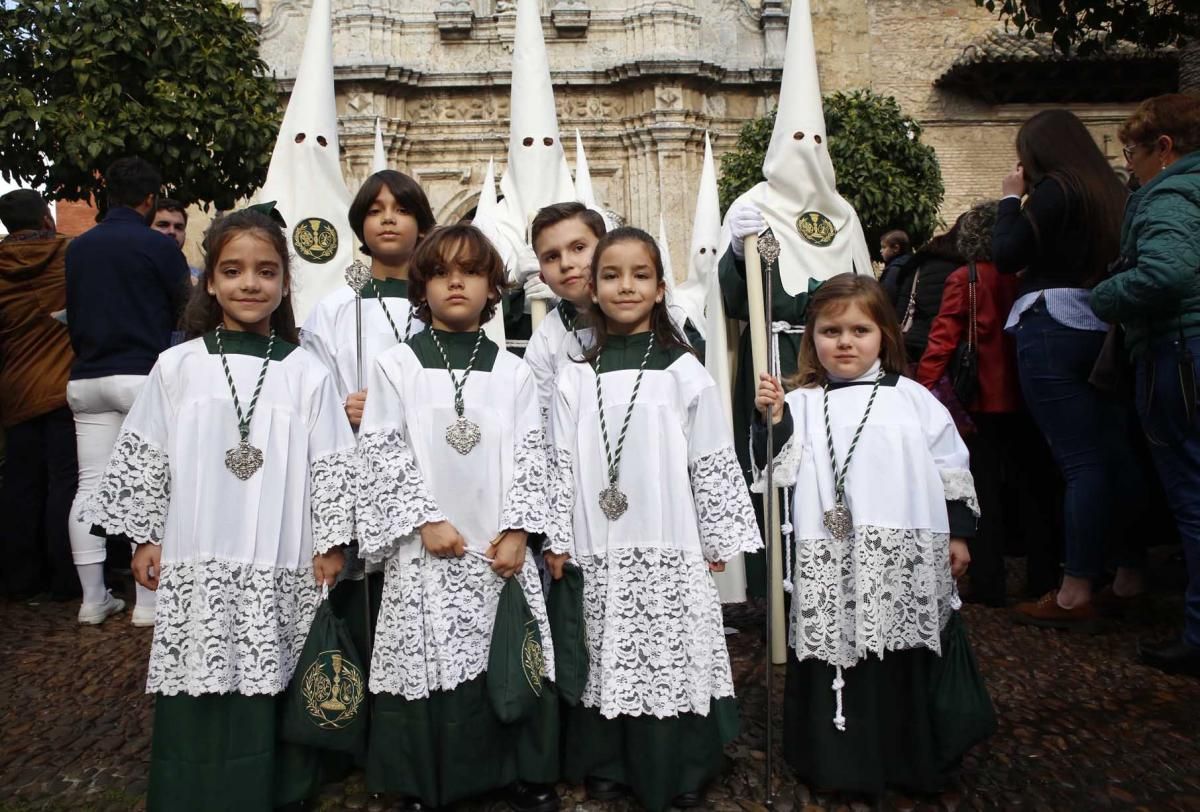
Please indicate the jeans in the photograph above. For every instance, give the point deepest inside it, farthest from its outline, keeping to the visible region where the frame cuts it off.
(1086, 432)
(39, 484)
(100, 406)
(1174, 438)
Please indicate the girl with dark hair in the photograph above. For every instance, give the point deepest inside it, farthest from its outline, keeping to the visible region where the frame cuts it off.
(390, 215)
(1062, 240)
(883, 502)
(232, 473)
(452, 460)
(658, 705)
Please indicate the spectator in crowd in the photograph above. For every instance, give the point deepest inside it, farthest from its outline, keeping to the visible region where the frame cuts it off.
(1155, 295)
(171, 218)
(1063, 238)
(126, 285)
(39, 468)
(919, 284)
(895, 249)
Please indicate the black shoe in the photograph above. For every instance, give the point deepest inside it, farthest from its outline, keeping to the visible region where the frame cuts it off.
(1175, 657)
(688, 800)
(601, 789)
(525, 797)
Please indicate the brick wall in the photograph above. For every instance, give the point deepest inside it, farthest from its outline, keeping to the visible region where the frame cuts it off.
(74, 217)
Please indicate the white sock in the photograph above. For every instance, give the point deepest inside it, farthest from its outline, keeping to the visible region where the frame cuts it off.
(145, 597)
(91, 577)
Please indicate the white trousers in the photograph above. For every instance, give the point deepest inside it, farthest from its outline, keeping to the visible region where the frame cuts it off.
(100, 406)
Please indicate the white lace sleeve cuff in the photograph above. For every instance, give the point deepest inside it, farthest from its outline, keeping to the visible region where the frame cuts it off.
(393, 501)
(786, 463)
(960, 487)
(134, 492)
(525, 505)
(331, 494)
(560, 534)
(723, 508)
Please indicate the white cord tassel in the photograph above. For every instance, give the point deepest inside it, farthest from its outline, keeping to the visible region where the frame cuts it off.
(786, 529)
(839, 720)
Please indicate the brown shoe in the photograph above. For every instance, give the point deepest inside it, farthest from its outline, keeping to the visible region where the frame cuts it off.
(1109, 604)
(1046, 612)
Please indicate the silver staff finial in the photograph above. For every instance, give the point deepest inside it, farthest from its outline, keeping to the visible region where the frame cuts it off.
(357, 276)
(768, 247)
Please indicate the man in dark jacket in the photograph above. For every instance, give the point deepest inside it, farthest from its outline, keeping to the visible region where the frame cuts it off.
(126, 285)
(35, 359)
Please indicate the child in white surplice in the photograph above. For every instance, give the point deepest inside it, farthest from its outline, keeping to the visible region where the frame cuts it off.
(882, 690)
(233, 473)
(452, 460)
(647, 499)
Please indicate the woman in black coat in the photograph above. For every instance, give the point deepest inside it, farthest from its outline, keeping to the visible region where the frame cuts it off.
(919, 284)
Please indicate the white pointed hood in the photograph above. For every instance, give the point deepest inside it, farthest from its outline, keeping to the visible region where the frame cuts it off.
(692, 292)
(583, 176)
(305, 175)
(537, 173)
(486, 213)
(818, 230)
(379, 162)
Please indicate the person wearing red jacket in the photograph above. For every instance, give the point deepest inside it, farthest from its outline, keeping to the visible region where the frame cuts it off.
(1005, 448)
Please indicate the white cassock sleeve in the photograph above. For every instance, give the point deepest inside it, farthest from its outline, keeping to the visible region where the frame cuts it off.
(949, 452)
(393, 500)
(315, 338)
(540, 362)
(135, 490)
(560, 526)
(525, 504)
(723, 509)
(331, 469)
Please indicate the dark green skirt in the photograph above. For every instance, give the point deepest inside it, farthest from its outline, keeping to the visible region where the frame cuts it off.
(450, 746)
(219, 753)
(657, 759)
(899, 732)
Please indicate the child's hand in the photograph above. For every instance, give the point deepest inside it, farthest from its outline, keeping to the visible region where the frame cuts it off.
(355, 402)
(769, 398)
(716, 566)
(555, 562)
(328, 566)
(508, 552)
(147, 561)
(960, 557)
(443, 540)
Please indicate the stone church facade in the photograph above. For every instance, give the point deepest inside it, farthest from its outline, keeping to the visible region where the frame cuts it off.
(642, 80)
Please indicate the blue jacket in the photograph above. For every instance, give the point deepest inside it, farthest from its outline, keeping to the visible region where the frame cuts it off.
(126, 286)
(1157, 296)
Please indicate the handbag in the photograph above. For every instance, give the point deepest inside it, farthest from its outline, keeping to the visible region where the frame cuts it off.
(564, 605)
(964, 363)
(962, 712)
(516, 663)
(325, 703)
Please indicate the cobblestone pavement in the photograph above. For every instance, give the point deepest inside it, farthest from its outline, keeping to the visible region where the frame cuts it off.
(1082, 727)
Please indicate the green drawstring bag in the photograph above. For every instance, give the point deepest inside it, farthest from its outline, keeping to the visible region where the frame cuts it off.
(516, 664)
(962, 711)
(564, 605)
(325, 704)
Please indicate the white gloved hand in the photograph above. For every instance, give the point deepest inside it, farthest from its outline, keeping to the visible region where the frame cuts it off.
(535, 288)
(744, 220)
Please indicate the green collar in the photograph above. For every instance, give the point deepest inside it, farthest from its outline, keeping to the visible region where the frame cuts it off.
(388, 289)
(458, 348)
(626, 352)
(568, 312)
(240, 343)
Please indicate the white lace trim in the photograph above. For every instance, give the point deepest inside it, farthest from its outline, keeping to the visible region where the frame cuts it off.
(655, 635)
(723, 509)
(134, 493)
(959, 485)
(786, 465)
(525, 503)
(560, 524)
(435, 623)
(392, 498)
(229, 627)
(331, 490)
(886, 590)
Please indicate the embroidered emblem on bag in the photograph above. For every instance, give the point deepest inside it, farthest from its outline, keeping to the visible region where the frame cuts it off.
(333, 691)
(315, 239)
(533, 660)
(816, 228)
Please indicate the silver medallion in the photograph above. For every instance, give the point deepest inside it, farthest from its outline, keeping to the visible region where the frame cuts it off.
(613, 502)
(463, 435)
(243, 460)
(357, 276)
(839, 522)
